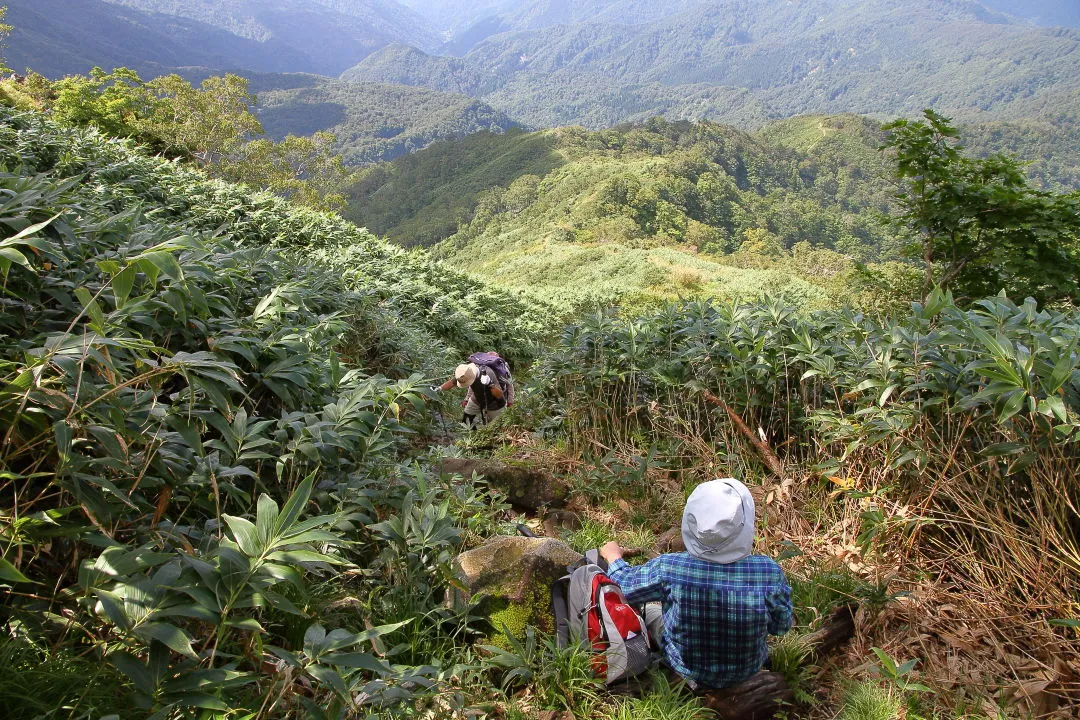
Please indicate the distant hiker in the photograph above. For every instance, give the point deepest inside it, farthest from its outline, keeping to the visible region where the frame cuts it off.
(718, 603)
(490, 387)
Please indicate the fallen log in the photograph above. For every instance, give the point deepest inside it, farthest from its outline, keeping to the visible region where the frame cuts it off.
(526, 486)
(759, 698)
(835, 631)
(767, 693)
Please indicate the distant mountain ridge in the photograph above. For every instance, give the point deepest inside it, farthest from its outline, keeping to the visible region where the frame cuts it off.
(597, 63)
(333, 34)
(58, 37)
(869, 56)
(1063, 13)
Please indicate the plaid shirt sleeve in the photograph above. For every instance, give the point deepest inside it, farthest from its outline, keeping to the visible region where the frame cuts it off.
(640, 584)
(778, 602)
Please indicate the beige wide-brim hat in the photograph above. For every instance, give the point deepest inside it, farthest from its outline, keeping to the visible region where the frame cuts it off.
(718, 521)
(465, 374)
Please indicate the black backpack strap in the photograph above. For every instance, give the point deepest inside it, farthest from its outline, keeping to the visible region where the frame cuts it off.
(560, 610)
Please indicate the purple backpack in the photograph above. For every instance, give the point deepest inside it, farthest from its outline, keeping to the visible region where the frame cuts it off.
(493, 361)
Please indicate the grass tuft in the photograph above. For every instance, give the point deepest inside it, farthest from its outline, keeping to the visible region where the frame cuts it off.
(868, 701)
(664, 701)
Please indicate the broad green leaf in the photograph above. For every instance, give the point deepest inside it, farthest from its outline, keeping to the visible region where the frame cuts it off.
(173, 637)
(380, 630)
(216, 678)
(245, 535)
(11, 256)
(113, 608)
(266, 519)
(135, 670)
(887, 663)
(885, 395)
(1054, 406)
(281, 572)
(63, 435)
(314, 635)
(122, 284)
(302, 556)
(206, 702)
(330, 678)
(9, 573)
(907, 667)
(31, 230)
(1012, 405)
(362, 661)
(295, 505)
(1004, 448)
(166, 263)
(188, 430)
(93, 310)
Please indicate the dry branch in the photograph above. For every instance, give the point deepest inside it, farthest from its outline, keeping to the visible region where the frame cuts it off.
(763, 449)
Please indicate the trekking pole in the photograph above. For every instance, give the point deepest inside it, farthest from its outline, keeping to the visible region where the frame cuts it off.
(438, 412)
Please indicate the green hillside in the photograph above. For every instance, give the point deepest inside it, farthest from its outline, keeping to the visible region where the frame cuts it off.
(649, 211)
(673, 209)
(373, 121)
(421, 198)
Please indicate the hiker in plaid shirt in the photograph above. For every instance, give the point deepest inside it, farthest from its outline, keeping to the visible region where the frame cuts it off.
(718, 601)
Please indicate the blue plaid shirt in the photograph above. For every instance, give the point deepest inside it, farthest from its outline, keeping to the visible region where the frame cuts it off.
(716, 616)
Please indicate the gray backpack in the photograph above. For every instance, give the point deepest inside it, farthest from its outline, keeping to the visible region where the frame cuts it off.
(590, 610)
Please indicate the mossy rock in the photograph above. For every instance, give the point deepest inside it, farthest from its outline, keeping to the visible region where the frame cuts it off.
(510, 578)
(525, 485)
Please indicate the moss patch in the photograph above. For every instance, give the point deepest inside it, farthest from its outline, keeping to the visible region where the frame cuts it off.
(511, 618)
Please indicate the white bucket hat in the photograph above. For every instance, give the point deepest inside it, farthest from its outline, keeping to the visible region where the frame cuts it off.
(718, 521)
(465, 374)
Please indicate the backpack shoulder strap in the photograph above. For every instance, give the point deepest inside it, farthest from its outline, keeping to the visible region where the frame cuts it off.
(559, 609)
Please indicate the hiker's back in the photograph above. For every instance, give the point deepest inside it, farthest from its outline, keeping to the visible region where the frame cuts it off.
(718, 615)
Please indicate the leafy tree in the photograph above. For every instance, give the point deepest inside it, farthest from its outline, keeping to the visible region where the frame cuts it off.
(303, 169)
(209, 122)
(112, 102)
(979, 224)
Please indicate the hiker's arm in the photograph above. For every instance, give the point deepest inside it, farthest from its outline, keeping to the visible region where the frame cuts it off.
(447, 385)
(509, 392)
(778, 601)
(639, 584)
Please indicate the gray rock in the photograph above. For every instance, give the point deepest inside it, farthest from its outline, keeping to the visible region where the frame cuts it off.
(511, 579)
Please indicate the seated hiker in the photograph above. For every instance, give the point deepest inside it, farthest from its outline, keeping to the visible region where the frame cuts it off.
(490, 387)
(718, 602)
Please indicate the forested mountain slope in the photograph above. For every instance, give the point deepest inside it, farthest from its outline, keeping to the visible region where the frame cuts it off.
(375, 121)
(60, 37)
(423, 198)
(57, 37)
(871, 57)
